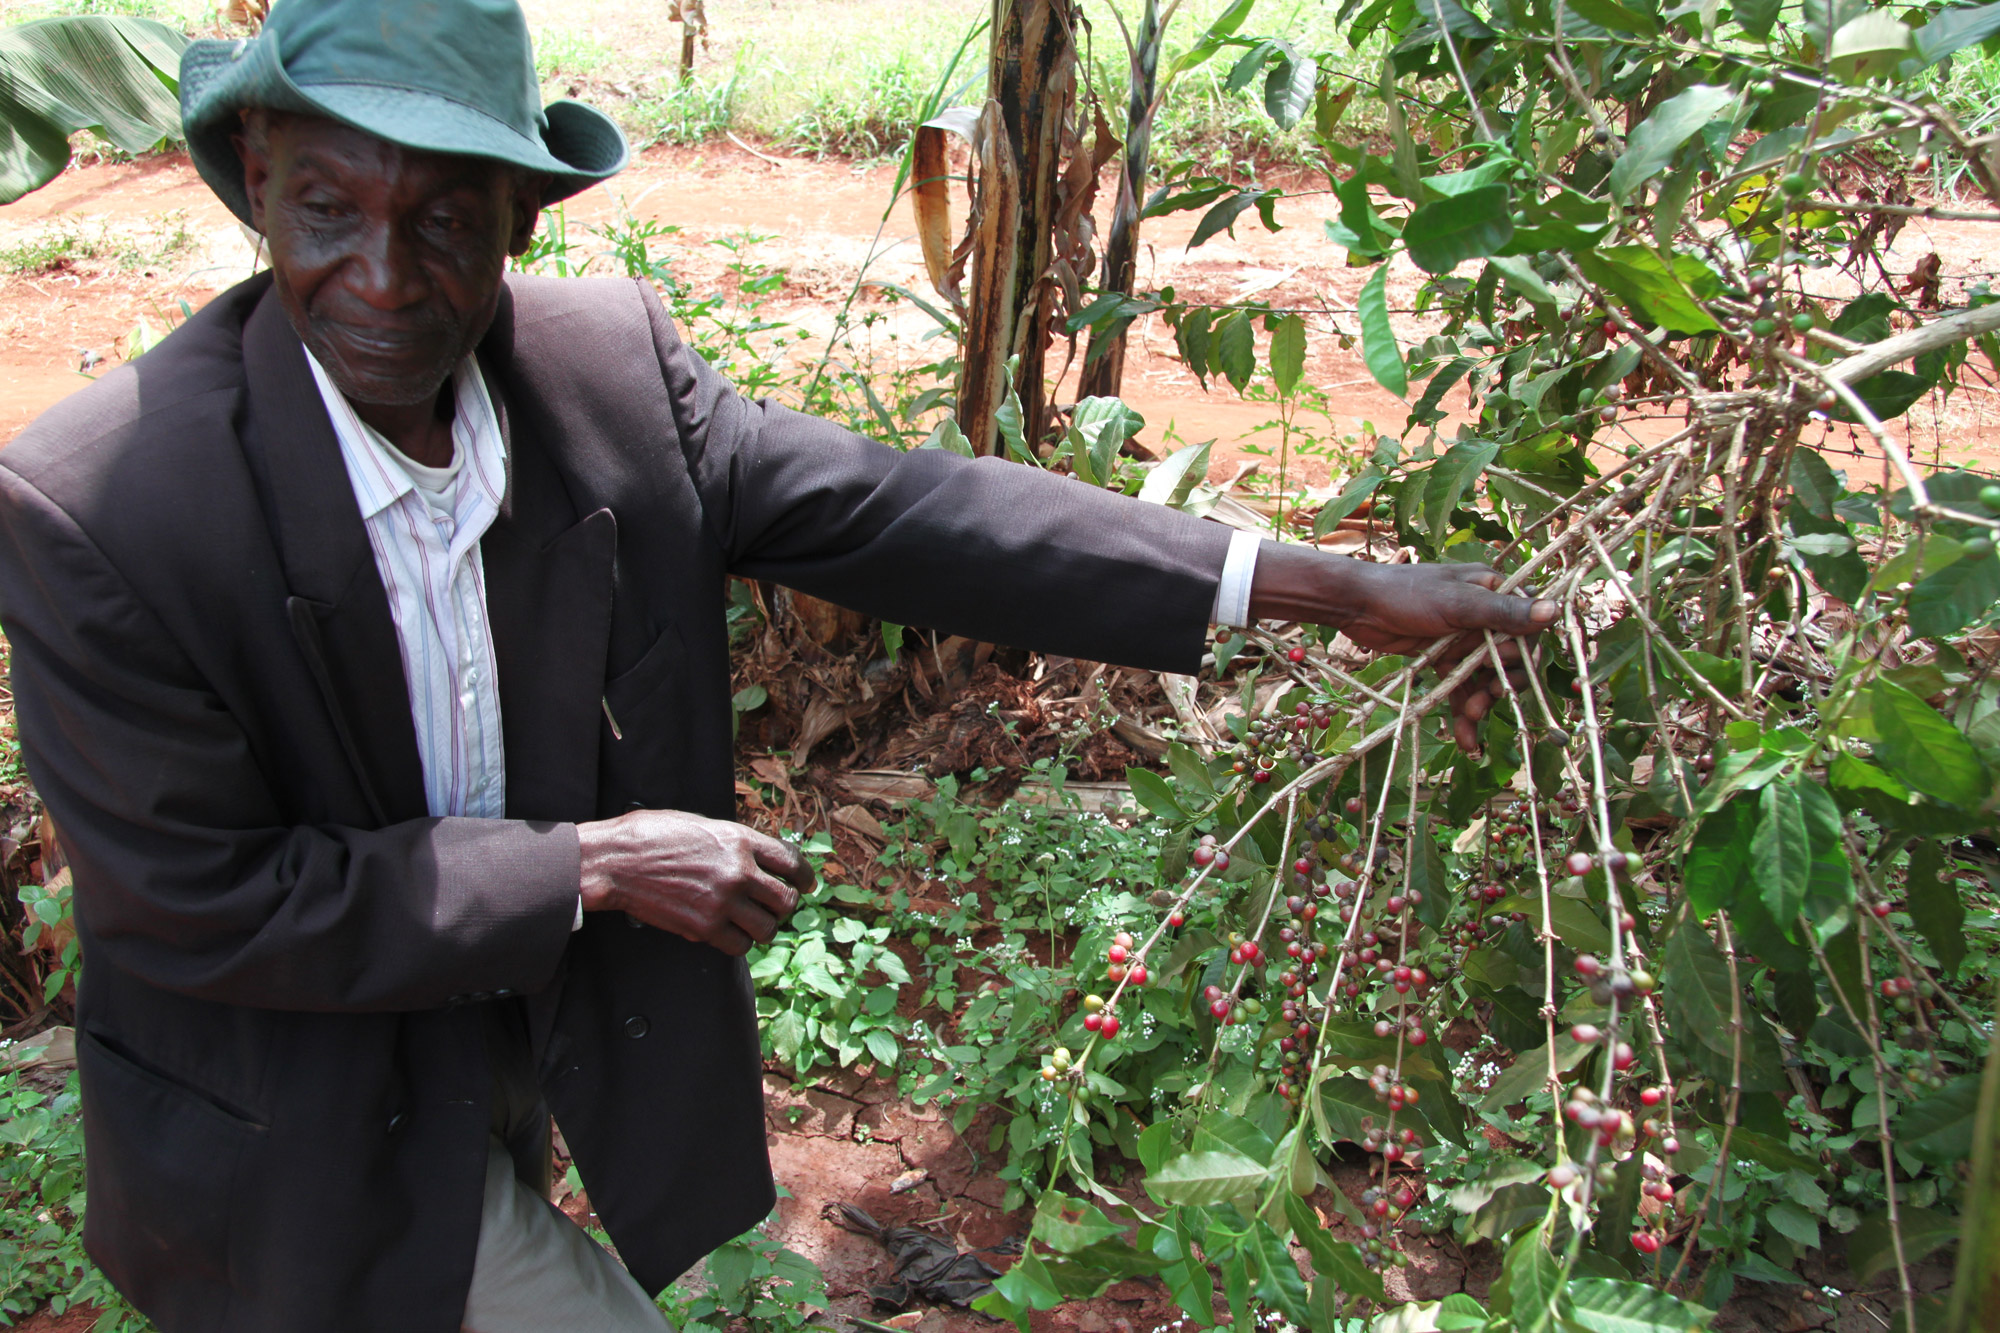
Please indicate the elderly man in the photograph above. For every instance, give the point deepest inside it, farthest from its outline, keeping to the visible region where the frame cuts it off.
(369, 651)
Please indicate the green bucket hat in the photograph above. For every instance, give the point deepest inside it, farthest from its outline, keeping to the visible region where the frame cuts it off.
(446, 76)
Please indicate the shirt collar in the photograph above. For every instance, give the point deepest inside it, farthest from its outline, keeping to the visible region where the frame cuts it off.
(378, 480)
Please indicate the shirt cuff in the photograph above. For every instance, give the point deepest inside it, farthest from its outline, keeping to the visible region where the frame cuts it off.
(577, 923)
(1239, 570)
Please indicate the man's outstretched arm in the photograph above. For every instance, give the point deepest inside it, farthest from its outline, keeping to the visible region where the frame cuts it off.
(1402, 609)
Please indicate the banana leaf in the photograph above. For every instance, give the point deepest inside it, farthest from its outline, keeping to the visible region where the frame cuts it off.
(109, 73)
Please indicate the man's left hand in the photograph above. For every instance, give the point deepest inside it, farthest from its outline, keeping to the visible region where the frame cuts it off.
(1405, 609)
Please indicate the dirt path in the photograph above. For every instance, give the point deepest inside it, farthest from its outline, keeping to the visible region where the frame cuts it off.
(822, 219)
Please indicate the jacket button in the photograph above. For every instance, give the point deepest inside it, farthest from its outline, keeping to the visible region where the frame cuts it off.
(636, 1027)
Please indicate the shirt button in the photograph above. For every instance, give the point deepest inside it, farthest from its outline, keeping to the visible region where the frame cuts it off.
(636, 1027)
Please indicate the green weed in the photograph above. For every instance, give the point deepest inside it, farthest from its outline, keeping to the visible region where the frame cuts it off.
(687, 113)
(753, 1284)
(561, 51)
(69, 244)
(41, 1211)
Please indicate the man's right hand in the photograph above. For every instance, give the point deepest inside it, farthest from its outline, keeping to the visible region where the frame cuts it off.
(708, 880)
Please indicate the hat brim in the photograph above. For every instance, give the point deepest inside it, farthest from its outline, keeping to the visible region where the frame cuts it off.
(580, 145)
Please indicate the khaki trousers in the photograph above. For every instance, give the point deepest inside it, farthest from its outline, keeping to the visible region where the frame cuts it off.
(536, 1270)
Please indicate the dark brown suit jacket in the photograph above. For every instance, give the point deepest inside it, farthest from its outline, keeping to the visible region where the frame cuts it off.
(288, 964)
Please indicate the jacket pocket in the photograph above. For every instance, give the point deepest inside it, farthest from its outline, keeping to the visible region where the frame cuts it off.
(633, 689)
(644, 744)
(161, 1164)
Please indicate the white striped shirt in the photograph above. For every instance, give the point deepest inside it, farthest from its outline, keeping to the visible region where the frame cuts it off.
(427, 553)
(428, 556)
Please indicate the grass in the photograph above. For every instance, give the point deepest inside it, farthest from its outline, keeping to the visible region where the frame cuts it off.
(844, 78)
(196, 16)
(69, 244)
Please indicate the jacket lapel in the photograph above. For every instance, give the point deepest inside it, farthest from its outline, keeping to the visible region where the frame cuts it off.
(549, 579)
(338, 612)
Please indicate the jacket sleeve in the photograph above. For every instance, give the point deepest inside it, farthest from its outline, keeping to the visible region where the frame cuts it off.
(988, 548)
(187, 875)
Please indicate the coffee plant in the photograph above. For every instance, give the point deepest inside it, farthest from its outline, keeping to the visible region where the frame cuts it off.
(1669, 975)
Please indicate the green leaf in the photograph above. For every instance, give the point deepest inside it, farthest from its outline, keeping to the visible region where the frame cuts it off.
(1427, 874)
(1577, 924)
(882, 1045)
(948, 437)
(1529, 1073)
(1521, 276)
(1359, 229)
(1174, 479)
(1459, 1311)
(1939, 1128)
(1871, 1250)
(1195, 340)
(1213, 40)
(1236, 349)
(1332, 1258)
(1716, 869)
(1794, 1224)
(1935, 906)
(1924, 751)
(1288, 353)
(1098, 429)
(1190, 772)
(1659, 293)
(1845, 575)
(1449, 479)
(1829, 876)
(1054, 1228)
(1947, 601)
(1651, 147)
(1152, 791)
(1888, 394)
(115, 75)
(1870, 44)
(1349, 499)
(1955, 29)
(1912, 564)
(1696, 991)
(1378, 340)
(1222, 217)
(1814, 486)
(1223, 1132)
(1779, 853)
(1278, 1280)
(1007, 419)
(1444, 234)
(1758, 17)
(1767, 1151)
(1610, 1305)
(1759, 1269)
(1614, 17)
(1206, 1177)
(1534, 1283)
(1288, 93)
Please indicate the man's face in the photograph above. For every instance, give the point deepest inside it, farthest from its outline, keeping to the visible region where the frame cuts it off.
(388, 260)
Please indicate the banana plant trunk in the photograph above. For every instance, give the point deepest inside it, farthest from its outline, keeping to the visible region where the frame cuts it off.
(1031, 81)
(1104, 363)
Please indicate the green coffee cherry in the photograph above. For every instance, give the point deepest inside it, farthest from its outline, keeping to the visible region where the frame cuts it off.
(1796, 184)
(1764, 328)
(1802, 321)
(1990, 497)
